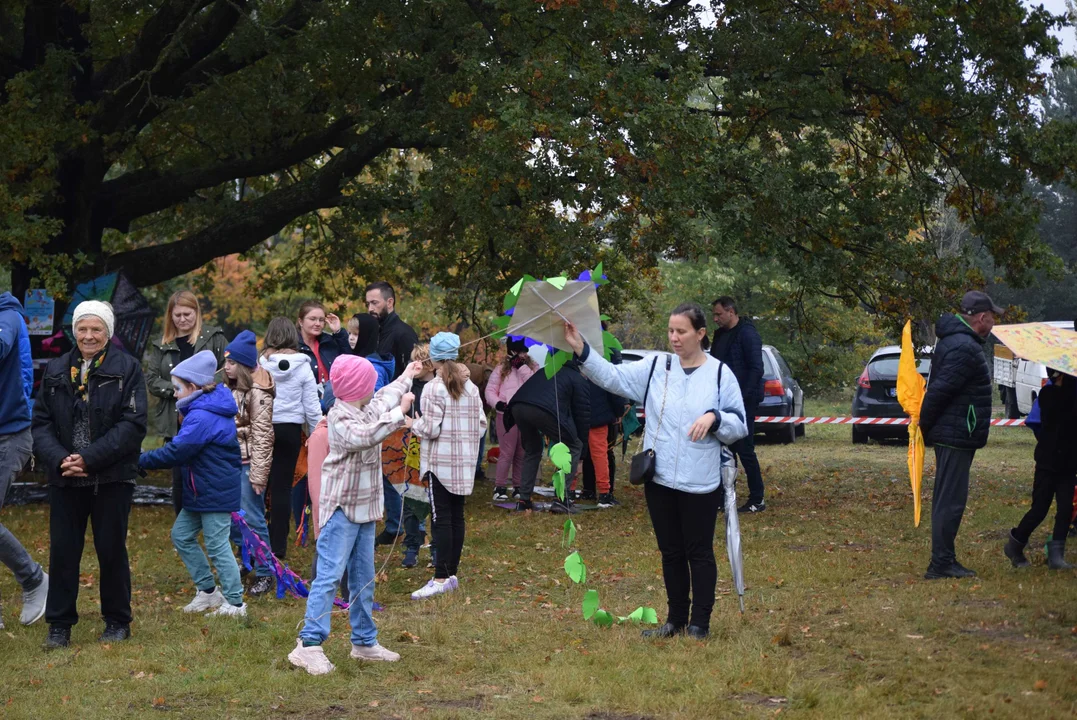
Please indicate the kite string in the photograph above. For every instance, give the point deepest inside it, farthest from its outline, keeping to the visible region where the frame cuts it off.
(553, 308)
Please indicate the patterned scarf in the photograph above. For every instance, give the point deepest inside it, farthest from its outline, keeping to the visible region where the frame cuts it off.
(80, 382)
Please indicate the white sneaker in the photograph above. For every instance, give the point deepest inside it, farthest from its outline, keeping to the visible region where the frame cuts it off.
(374, 652)
(33, 602)
(229, 610)
(312, 659)
(433, 588)
(205, 601)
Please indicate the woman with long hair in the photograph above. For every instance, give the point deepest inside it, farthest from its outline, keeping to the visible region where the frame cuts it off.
(694, 412)
(321, 347)
(295, 405)
(184, 335)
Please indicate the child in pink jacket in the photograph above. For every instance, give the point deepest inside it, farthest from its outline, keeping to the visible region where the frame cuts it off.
(506, 379)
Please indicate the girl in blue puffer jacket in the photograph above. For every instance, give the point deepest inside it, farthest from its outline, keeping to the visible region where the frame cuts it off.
(207, 452)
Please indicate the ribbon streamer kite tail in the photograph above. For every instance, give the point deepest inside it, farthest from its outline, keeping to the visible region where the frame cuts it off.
(910, 390)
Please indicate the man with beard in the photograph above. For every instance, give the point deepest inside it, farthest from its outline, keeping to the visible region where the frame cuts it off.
(396, 339)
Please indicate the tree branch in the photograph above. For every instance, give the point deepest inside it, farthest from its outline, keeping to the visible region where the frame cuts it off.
(139, 193)
(248, 223)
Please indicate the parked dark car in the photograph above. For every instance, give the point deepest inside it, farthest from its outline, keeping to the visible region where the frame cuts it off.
(782, 397)
(876, 394)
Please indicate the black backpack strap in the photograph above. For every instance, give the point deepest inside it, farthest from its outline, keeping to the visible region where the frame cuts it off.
(719, 377)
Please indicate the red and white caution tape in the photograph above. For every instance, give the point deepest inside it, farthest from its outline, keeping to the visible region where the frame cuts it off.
(774, 419)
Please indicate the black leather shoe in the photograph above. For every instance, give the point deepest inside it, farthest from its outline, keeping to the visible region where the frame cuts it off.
(666, 631)
(58, 637)
(115, 632)
(962, 571)
(523, 506)
(697, 633)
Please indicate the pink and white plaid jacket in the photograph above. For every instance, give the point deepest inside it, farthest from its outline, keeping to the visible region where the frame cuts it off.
(450, 431)
(351, 473)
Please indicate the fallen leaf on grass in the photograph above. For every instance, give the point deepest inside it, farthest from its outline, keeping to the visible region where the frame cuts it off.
(158, 702)
(538, 699)
(65, 699)
(915, 637)
(408, 637)
(424, 692)
(373, 703)
(1040, 685)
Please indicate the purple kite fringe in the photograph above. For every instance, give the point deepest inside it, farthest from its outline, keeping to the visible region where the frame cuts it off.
(254, 546)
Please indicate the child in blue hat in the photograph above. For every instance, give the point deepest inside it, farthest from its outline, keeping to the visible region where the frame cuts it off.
(207, 453)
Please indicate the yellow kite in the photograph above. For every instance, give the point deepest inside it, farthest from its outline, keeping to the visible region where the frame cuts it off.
(910, 391)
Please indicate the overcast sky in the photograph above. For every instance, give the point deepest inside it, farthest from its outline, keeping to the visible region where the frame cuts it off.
(1069, 34)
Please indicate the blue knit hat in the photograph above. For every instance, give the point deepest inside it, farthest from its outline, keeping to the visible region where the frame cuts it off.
(198, 369)
(445, 346)
(243, 350)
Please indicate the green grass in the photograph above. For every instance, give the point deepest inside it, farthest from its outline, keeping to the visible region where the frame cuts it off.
(839, 622)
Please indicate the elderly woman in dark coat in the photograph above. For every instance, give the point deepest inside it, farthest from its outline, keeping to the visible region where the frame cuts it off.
(88, 426)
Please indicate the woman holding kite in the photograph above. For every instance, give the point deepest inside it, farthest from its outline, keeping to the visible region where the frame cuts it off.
(694, 410)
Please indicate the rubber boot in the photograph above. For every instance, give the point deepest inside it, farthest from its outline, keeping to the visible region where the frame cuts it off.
(1015, 551)
(1056, 549)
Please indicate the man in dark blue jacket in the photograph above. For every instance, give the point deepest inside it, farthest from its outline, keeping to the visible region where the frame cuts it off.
(16, 444)
(738, 345)
(955, 416)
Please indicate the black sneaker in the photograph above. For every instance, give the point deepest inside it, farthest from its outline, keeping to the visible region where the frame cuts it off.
(605, 500)
(58, 637)
(385, 538)
(697, 633)
(954, 570)
(588, 495)
(751, 507)
(665, 631)
(115, 632)
(500, 493)
(516, 493)
(523, 506)
(261, 586)
(411, 558)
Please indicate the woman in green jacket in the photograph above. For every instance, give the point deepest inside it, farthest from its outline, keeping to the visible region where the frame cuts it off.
(184, 336)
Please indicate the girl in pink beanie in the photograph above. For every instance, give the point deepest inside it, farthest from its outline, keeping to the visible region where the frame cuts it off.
(349, 506)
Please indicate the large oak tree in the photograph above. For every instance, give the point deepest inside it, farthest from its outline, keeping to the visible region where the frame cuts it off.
(467, 141)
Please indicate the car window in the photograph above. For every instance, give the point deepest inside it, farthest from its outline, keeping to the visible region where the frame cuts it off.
(786, 372)
(630, 357)
(887, 366)
(768, 367)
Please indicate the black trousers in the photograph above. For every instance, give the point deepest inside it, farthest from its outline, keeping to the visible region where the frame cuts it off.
(448, 532)
(745, 450)
(1048, 485)
(535, 426)
(684, 527)
(948, 501)
(107, 507)
(287, 441)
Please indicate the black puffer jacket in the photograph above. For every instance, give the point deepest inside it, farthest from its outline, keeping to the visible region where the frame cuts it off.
(566, 396)
(1056, 445)
(117, 415)
(956, 411)
(741, 349)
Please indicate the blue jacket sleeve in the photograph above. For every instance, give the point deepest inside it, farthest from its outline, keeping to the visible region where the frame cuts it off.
(181, 450)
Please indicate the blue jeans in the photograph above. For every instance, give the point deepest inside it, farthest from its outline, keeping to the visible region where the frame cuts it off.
(343, 545)
(253, 506)
(214, 527)
(394, 507)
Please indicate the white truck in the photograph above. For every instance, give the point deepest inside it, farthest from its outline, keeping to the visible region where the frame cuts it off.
(1019, 381)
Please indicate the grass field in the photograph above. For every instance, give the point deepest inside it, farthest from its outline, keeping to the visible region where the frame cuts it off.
(839, 622)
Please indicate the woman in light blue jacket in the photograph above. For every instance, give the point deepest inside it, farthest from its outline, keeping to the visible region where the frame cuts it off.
(694, 410)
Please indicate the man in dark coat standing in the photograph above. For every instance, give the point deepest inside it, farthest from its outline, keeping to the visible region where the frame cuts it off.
(738, 345)
(396, 339)
(956, 416)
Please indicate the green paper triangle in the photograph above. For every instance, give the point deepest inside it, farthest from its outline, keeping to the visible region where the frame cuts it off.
(568, 535)
(590, 604)
(575, 569)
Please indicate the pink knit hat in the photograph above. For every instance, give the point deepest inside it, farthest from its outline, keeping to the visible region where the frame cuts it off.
(353, 377)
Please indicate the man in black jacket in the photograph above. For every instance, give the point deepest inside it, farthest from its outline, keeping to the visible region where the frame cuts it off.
(738, 345)
(396, 339)
(558, 408)
(956, 416)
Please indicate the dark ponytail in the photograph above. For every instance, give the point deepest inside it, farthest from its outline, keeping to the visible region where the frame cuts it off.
(696, 316)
